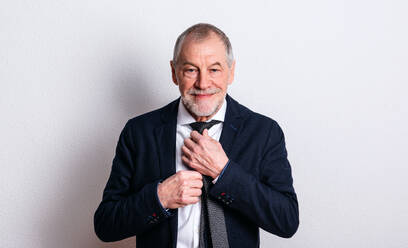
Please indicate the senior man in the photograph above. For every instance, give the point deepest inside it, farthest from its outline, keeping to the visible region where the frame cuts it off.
(202, 171)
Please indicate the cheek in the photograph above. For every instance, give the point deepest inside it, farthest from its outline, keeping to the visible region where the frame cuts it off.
(185, 84)
(222, 83)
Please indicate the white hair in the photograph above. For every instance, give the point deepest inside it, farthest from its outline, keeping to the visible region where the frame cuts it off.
(200, 32)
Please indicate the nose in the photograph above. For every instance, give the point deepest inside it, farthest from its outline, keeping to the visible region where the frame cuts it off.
(203, 81)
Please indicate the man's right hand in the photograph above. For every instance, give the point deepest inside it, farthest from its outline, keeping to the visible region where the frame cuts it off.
(181, 189)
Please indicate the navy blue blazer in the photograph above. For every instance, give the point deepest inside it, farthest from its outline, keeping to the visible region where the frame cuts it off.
(255, 190)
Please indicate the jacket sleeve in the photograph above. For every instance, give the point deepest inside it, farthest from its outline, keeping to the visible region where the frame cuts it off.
(269, 200)
(124, 213)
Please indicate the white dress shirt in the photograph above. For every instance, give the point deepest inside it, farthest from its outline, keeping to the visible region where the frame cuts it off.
(188, 230)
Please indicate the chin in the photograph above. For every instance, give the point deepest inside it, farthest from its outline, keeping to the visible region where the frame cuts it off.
(201, 107)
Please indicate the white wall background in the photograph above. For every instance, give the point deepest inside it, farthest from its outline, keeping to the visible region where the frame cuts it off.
(332, 73)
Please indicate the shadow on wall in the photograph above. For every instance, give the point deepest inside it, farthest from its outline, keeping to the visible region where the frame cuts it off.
(87, 165)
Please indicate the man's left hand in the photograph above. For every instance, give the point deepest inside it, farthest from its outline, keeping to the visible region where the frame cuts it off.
(204, 154)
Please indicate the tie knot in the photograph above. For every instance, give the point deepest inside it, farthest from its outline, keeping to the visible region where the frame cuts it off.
(200, 126)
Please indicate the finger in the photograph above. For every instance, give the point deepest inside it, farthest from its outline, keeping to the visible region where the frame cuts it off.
(188, 200)
(178, 205)
(189, 143)
(186, 160)
(191, 175)
(186, 151)
(195, 136)
(200, 169)
(205, 132)
(196, 183)
(195, 166)
(187, 191)
(195, 192)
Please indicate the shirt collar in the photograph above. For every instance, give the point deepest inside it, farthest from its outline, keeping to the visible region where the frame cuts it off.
(184, 117)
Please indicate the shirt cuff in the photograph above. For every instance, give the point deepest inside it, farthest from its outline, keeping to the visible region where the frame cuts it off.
(222, 172)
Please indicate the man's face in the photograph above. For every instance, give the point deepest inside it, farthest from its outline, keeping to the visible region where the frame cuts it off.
(202, 75)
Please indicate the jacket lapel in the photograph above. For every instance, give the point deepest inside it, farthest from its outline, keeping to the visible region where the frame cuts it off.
(232, 124)
(165, 135)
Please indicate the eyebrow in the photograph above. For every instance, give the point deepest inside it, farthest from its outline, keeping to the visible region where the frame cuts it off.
(217, 63)
(190, 63)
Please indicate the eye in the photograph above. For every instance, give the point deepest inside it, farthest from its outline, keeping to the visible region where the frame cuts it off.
(214, 70)
(190, 72)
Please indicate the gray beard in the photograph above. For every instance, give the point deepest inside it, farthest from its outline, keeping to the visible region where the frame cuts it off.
(195, 109)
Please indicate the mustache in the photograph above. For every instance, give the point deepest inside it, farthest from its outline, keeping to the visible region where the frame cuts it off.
(193, 91)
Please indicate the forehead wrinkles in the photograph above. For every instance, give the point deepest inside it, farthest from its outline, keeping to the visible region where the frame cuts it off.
(207, 50)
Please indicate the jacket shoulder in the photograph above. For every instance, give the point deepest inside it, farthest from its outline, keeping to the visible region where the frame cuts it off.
(254, 118)
(154, 118)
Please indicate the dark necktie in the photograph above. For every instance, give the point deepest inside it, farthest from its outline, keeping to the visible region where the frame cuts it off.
(213, 232)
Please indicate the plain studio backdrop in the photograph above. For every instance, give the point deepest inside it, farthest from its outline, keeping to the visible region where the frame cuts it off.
(332, 73)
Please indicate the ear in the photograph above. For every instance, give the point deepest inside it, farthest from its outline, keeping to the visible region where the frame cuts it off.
(232, 73)
(173, 72)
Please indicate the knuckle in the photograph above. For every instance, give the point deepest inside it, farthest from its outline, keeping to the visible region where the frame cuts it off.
(184, 199)
(181, 175)
(180, 195)
(182, 192)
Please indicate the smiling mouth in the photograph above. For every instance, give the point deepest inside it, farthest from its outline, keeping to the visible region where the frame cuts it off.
(202, 96)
